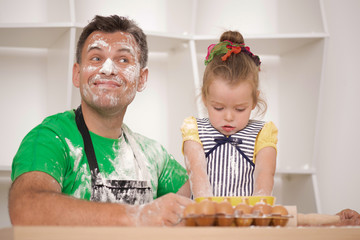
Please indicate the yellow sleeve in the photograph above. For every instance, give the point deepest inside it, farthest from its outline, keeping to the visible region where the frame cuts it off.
(267, 137)
(189, 131)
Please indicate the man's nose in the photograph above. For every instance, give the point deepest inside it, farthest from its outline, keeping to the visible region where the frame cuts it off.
(108, 68)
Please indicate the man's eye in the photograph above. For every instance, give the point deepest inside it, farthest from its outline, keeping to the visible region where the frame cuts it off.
(123, 60)
(95, 59)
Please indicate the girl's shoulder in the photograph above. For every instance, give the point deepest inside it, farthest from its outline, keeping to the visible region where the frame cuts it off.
(270, 127)
(189, 123)
(268, 134)
(193, 122)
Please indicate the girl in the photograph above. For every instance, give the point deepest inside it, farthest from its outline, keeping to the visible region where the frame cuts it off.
(229, 154)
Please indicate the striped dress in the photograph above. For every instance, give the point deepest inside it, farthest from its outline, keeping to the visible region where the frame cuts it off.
(230, 165)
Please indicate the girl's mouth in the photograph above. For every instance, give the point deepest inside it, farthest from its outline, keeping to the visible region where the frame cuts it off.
(228, 128)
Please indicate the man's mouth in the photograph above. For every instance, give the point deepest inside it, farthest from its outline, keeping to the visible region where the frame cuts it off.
(106, 83)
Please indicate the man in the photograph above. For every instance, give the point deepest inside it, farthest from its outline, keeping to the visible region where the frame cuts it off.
(86, 167)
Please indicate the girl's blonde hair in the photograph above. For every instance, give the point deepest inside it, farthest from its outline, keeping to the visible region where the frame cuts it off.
(238, 67)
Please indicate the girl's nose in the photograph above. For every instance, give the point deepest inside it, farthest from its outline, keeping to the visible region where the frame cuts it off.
(108, 68)
(228, 116)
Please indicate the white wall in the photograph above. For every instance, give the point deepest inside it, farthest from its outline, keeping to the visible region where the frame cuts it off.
(338, 162)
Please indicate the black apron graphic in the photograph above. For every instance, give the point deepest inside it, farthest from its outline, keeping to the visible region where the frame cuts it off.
(104, 190)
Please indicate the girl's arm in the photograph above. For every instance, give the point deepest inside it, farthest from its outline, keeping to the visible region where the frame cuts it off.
(195, 163)
(265, 167)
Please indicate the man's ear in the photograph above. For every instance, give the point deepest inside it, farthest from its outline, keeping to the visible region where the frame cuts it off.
(76, 75)
(143, 79)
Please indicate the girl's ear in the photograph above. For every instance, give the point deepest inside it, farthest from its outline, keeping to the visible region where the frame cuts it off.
(256, 100)
(143, 79)
(76, 75)
(203, 99)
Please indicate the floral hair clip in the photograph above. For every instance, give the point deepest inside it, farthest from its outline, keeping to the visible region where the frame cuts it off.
(227, 48)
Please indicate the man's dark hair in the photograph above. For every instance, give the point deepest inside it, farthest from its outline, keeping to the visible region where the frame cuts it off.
(113, 24)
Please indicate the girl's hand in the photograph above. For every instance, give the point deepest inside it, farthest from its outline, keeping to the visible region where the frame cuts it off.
(349, 217)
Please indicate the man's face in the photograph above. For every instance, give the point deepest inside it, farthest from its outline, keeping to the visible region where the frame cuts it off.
(109, 73)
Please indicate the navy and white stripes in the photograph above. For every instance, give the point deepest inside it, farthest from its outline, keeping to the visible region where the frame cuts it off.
(230, 165)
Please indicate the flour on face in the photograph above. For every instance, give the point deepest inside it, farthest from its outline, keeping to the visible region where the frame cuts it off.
(98, 42)
(110, 71)
(109, 68)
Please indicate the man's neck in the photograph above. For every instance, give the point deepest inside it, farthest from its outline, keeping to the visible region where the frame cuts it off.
(103, 123)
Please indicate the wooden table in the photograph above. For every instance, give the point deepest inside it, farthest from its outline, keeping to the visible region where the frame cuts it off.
(178, 233)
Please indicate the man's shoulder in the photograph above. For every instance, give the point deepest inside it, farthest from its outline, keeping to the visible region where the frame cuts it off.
(63, 117)
(57, 123)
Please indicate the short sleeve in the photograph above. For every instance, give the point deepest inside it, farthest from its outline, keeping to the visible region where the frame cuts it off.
(189, 130)
(172, 178)
(267, 137)
(41, 150)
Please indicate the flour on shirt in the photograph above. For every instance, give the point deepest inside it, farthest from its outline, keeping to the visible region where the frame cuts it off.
(123, 162)
(81, 170)
(85, 182)
(75, 153)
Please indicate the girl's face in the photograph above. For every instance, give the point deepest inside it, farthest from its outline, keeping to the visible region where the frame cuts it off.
(109, 74)
(229, 106)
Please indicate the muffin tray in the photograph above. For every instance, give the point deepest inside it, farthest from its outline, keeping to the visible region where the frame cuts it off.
(236, 219)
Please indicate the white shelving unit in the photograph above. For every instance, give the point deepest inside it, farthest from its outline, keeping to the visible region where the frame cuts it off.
(37, 48)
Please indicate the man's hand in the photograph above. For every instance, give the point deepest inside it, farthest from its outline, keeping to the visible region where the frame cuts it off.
(164, 211)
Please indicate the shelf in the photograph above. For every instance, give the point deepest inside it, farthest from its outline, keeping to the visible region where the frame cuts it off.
(5, 168)
(5, 173)
(43, 35)
(295, 171)
(159, 42)
(31, 35)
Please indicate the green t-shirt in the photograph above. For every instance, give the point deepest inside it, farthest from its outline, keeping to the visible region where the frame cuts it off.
(56, 147)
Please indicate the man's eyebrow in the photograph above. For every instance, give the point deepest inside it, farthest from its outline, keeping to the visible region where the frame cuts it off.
(94, 48)
(125, 50)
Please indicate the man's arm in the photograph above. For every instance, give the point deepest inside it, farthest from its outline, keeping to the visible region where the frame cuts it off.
(35, 198)
(185, 190)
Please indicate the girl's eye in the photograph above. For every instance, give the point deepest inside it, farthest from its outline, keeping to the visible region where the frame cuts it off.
(218, 108)
(240, 109)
